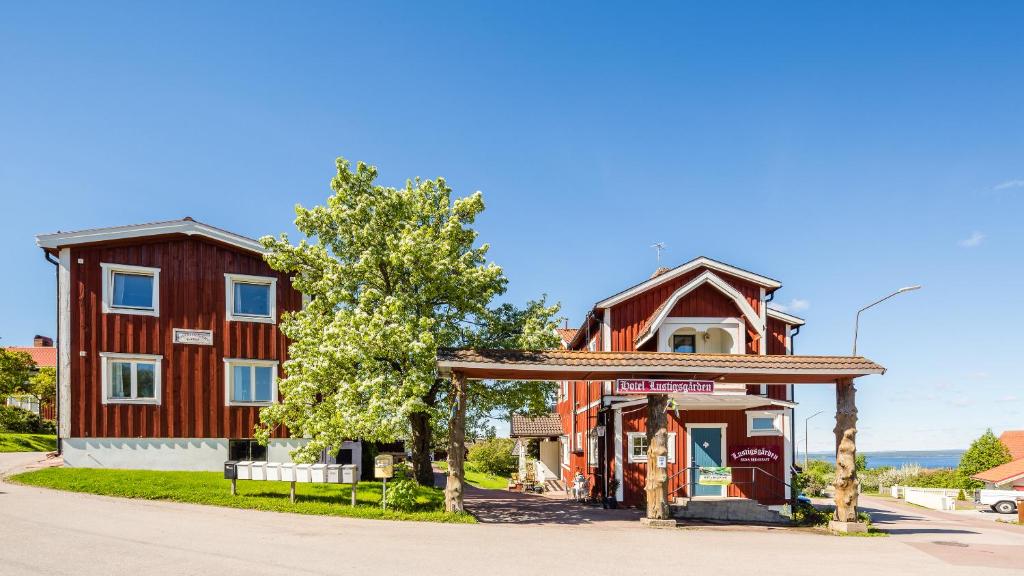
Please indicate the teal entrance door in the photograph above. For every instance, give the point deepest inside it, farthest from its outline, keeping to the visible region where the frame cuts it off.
(705, 450)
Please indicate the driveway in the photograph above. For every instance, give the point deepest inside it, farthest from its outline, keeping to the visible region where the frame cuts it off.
(51, 532)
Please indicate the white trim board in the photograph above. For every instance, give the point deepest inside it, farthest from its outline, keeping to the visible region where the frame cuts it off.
(187, 227)
(683, 269)
(787, 318)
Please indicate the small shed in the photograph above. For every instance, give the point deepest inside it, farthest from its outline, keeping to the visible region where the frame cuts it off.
(546, 430)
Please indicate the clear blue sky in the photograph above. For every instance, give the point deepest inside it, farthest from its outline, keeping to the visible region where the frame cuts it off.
(846, 149)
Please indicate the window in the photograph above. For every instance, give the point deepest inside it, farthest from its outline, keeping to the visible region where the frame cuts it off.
(579, 442)
(130, 289)
(764, 423)
(685, 343)
(130, 378)
(592, 448)
(565, 450)
(251, 298)
(246, 449)
(638, 447)
(250, 382)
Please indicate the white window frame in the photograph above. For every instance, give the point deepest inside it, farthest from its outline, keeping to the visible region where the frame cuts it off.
(566, 451)
(578, 446)
(776, 416)
(670, 447)
(231, 363)
(107, 286)
(592, 444)
(106, 358)
(229, 297)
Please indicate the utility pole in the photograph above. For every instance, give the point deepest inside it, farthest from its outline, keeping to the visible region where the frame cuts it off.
(807, 438)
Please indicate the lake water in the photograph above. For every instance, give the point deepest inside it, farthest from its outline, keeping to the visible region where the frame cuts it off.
(923, 458)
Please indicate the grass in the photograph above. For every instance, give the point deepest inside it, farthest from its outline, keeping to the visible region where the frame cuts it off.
(479, 479)
(212, 489)
(12, 442)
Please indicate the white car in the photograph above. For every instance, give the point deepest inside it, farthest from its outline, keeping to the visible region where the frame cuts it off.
(1002, 501)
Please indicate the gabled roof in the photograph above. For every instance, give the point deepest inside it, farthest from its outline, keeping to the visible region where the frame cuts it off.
(186, 226)
(566, 334)
(43, 356)
(1014, 441)
(1002, 474)
(787, 318)
(701, 261)
(535, 426)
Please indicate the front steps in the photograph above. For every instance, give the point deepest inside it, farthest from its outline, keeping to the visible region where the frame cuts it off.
(723, 509)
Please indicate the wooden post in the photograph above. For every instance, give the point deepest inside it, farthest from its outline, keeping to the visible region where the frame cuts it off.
(293, 492)
(846, 451)
(456, 446)
(657, 446)
(234, 486)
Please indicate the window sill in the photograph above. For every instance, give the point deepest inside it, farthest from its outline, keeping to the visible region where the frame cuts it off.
(130, 311)
(244, 404)
(149, 402)
(752, 433)
(257, 319)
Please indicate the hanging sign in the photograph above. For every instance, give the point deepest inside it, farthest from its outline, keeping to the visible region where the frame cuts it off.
(642, 386)
(201, 337)
(754, 454)
(715, 476)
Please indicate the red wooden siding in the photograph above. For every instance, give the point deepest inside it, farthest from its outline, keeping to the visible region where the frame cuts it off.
(192, 295)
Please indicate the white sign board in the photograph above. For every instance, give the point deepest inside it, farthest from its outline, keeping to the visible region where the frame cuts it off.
(662, 461)
(200, 337)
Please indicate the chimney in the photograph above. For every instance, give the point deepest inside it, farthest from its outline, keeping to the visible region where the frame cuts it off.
(42, 342)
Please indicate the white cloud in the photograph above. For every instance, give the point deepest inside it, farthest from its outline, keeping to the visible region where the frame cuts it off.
(795, 305)
(1009, 184)
(972, 241)
(1009, 398)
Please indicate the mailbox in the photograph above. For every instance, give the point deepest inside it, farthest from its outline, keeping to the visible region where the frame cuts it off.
(302, 473)
(349, 474)
(334, 473)
(230, 470)
(318, 473)
(259, 470)
(384, 466)
(243, 470)
(287, 472)
(273, 471)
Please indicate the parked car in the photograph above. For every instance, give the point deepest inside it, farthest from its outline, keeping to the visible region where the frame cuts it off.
(1001, 501)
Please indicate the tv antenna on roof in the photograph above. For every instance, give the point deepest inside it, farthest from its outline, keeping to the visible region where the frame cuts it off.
(658, 247)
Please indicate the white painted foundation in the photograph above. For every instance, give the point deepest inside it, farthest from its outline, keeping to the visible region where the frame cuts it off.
(161, 453)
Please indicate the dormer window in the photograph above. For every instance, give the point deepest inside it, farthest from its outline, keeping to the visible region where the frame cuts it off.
(684, 343)
(130, 289)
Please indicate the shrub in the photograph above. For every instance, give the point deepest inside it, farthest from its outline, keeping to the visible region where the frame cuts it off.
(942, 478)
(401, 489)
(494, 456)
(18, 420)
(894, 476)
(985, 452)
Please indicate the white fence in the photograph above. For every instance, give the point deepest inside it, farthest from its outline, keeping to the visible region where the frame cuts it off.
(934, 498)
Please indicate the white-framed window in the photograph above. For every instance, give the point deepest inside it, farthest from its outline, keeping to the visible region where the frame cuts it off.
(251, 298)
(638, 447)
(579, 442)
(764, 423)
(130, 289)
(565, 450)
(250, 382)
(130, 378)
(592, 448)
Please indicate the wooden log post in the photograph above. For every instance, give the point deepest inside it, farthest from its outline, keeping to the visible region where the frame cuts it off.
(846, 451)
(656, 484)
(456, 446)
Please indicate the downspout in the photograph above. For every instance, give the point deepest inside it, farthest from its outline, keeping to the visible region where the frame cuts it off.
(58, 344)
(792, 398)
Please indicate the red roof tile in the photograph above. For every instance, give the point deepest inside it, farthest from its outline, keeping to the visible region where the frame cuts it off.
(535, 426)
(567, 334)
(41, 355)
(1014, 440)
(1003, 473)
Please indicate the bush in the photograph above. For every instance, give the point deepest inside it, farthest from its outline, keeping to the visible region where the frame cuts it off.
(13, 419)
(942, 478)
(894, 476)
(815, 479)
(494, 456)
(402, 490)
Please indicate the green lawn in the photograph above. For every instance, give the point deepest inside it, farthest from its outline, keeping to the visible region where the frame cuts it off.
(479, 479)
(11, 442)
(211, 488)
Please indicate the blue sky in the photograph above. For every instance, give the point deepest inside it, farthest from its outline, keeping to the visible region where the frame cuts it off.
(846, 149)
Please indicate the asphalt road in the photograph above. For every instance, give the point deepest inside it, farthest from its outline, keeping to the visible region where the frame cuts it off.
(50, 532)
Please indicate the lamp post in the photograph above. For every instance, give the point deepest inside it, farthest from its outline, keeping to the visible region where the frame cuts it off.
(807, 438)
(856, 323)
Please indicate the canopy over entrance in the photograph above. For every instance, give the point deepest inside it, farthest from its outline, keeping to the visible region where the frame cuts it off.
(840, 371)
(586, 365)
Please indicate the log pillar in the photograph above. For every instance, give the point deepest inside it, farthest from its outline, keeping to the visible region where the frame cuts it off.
(456, 446)
(846, 451)
(656, 484)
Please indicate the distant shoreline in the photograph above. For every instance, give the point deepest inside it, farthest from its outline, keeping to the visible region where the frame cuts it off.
(899, 458)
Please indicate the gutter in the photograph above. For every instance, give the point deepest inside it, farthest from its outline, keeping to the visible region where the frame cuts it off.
(57, 345)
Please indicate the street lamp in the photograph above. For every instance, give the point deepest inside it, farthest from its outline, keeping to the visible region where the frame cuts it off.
(807, 438)
(856, 323)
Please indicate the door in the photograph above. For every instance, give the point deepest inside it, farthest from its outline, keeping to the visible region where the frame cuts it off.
(707, 448)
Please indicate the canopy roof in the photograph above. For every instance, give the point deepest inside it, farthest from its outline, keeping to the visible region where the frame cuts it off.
(586, 365)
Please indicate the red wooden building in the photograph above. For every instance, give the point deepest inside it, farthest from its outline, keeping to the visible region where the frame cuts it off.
(168, 345)
(701, 307)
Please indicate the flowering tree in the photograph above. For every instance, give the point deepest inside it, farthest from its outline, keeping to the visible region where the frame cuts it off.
(391, 275)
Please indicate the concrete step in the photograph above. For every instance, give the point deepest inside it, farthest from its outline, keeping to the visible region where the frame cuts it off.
(722, 509)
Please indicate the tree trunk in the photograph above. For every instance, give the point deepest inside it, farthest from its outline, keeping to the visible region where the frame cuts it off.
(456, 446)
(422, 439)
(846, 451)
(657, 445)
